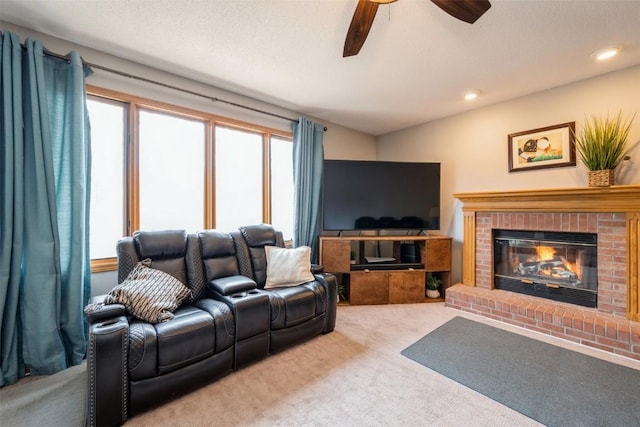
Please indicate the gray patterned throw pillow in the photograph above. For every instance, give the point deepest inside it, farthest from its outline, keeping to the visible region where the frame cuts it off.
(149, 294)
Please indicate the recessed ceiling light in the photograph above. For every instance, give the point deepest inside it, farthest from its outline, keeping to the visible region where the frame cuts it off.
(607, 53)
(472, 94)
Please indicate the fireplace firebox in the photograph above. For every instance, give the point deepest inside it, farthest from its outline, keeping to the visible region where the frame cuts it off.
(560, 266)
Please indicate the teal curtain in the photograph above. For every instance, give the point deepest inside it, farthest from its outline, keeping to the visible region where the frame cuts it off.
(45, 156)
(308, 155)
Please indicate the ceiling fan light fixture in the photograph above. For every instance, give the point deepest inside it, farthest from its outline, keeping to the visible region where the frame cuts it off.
(471, 95)
(607, 53)
(383, 1)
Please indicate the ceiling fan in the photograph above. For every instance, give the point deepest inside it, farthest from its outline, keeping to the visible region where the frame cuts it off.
(465, 10)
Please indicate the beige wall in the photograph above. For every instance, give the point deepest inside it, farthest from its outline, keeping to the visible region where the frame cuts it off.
(472, 147)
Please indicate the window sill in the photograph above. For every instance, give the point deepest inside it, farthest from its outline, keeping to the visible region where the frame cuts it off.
(104, 264)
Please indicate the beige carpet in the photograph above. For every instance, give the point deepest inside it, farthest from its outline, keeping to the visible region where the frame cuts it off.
(354, 376)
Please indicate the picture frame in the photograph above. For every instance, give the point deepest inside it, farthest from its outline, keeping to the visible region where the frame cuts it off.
(542, 148)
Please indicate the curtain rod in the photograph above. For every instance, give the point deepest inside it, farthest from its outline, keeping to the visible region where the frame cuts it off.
(190, 92)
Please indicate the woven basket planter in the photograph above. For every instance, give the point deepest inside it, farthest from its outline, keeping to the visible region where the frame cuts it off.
(603, 178)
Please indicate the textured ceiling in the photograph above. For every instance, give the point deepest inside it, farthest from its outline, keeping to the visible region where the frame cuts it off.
(413, 68)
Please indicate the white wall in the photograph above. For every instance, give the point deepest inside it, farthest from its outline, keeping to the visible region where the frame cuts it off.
(472, 147)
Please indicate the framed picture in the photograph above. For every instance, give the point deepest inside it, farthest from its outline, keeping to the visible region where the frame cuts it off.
(549, 147)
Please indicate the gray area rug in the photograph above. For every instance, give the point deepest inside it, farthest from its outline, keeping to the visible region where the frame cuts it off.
(552, 385)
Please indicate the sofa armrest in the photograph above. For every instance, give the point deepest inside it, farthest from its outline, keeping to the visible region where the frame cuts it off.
(97, 310)
(231, 285)
(329, 281)
(317, 269)
(108, 385)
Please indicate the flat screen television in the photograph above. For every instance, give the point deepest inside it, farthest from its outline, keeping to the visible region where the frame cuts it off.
(379, 195)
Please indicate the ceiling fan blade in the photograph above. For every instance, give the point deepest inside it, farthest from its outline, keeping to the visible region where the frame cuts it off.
(465, 10)
(359, 28)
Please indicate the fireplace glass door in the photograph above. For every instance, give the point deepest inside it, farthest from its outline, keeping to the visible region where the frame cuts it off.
(556, 265)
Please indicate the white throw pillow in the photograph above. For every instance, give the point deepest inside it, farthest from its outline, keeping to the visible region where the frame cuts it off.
(288, 267)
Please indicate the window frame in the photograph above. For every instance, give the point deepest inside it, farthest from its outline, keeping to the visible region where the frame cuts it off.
(131, 190)
(99, 265)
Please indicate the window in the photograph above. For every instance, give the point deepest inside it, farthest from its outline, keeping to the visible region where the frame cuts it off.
(282, 186)
(181, 169)
(108, 123)
(238, 176)
(171, 172)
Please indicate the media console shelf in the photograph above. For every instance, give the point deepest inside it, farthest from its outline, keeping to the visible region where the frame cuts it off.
(395, 282)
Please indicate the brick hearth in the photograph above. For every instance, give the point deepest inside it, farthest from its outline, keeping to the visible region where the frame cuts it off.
(612, 213)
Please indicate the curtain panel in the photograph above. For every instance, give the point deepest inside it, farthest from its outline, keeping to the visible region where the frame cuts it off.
(44, 210)
(308, 156)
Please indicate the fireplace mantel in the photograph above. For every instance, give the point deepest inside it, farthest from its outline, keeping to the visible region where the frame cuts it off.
(618, 198)
(623, 199)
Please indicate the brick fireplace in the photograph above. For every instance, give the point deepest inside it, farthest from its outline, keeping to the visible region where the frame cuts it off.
(556, 265)
(612, 213)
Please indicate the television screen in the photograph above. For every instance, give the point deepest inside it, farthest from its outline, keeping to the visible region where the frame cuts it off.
(376, 195)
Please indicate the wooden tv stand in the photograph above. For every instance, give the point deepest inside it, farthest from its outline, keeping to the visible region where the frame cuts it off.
(392, 285)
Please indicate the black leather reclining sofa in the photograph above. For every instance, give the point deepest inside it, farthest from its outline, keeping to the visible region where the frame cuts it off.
(230, 321)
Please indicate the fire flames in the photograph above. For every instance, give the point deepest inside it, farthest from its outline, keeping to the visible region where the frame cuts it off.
(546, 253)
